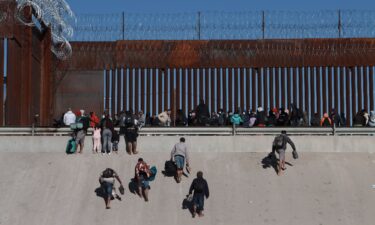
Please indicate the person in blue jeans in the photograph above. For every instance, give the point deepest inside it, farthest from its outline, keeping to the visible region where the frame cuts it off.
(200, 188)
(107, 181)
(107, 127)
(179, 154)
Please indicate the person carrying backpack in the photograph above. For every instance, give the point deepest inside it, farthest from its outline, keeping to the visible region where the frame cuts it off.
(107, 181)
(81, 131)
(130, 133)
(279, 145)
(200, 188)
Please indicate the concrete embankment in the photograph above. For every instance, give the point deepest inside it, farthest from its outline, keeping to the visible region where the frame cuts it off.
(256, 143)
(331, 183)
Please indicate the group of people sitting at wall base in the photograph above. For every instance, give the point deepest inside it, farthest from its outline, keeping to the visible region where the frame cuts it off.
(144, 174)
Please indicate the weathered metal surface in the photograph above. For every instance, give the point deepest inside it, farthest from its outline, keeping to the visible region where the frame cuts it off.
(1, 81)
(223, 54)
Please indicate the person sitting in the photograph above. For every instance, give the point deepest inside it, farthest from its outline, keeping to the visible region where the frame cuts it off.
(371, 121)
(359, 119)
(165, 118)
(315, 120)
(325, 121)
(261, 117)
(236, 119)
(203, 113)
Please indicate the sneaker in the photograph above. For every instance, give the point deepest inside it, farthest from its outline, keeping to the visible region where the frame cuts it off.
(109, 153)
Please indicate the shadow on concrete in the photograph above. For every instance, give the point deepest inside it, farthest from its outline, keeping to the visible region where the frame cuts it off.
(186, 204)
(272, 161)
(100, 192)
(133, 186)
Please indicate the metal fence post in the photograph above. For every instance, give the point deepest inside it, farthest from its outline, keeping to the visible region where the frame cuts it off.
(339, 23)
(123, 25)
(263, 24)
(199, 25)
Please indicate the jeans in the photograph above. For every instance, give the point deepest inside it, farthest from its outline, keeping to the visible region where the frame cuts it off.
(107, 136)
(180, 161)
(198, 200)
(107, 189)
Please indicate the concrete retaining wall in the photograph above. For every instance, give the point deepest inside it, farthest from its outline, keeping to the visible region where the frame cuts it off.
(199, 143)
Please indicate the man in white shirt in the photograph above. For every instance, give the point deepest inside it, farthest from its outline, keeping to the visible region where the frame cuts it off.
(69, 117)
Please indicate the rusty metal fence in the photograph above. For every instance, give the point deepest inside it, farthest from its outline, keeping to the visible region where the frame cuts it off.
(313, 89)
(225, 25)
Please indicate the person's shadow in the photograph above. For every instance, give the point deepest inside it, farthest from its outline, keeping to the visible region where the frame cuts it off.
(133, 186)
(100, 193)
(186, 204)
(272, 161)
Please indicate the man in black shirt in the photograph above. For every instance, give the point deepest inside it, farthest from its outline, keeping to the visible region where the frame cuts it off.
(200, 188)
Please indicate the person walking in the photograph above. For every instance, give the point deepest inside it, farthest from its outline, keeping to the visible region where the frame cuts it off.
(200, 188)
(179, 155)
(279, 145)
(107, 182)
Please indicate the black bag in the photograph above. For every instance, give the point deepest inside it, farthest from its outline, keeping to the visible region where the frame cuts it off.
(295, 154)
(129, 121)
(170, 168)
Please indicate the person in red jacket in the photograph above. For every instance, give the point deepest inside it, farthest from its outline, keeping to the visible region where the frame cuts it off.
(94, 120)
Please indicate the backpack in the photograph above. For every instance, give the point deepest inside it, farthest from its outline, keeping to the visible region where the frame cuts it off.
(108, 173)
(71, 147)
(279, 142)
(129, 121)
(85, 122)
(199, 186)
(170, 168)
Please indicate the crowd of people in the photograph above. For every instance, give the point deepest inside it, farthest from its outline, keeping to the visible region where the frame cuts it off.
(200, 116)
(144, 174)
(106, 138)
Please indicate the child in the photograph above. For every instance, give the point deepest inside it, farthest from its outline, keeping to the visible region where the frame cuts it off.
(115, 140)
(96, 140)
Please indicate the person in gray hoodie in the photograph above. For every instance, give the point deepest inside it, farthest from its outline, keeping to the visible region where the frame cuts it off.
(179, 155)
(371, 121)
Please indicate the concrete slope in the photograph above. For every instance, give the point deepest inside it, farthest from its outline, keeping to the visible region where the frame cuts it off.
(320, 188)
